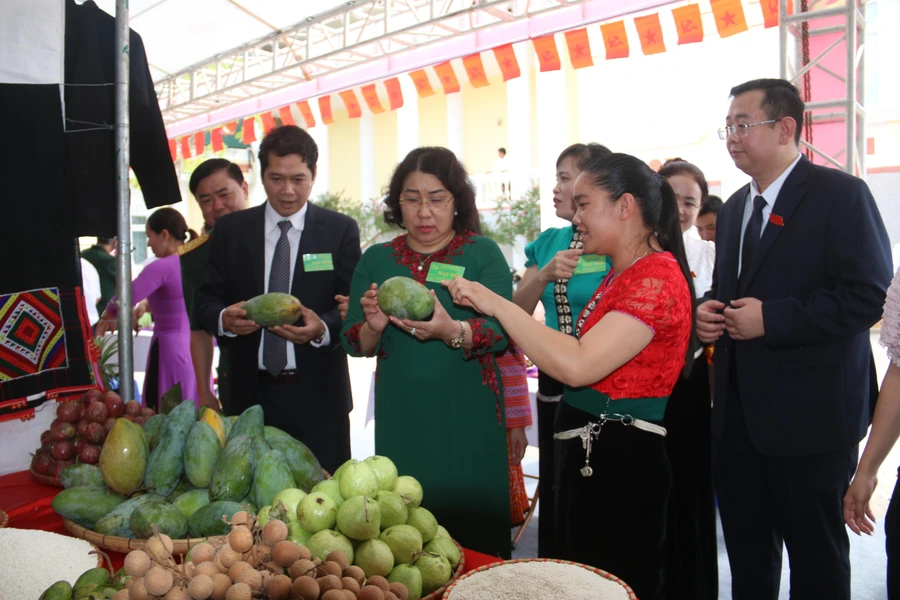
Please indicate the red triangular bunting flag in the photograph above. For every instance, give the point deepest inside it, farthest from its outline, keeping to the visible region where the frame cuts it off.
(615, 39)
(547, 53)
(579, 48)
(423, 86)
(689, 24)
(249, 133)
(215, 139)
(325, 109)
(173, 149)
(506, 59)
(186, 147)
(306, 113)
(287, 118)
(370, 95)
(199, 143)
(475, 70)
(447, 76)
(268, 121)
(395, 94)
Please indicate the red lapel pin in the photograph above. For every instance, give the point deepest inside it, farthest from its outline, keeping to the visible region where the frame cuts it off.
(776, 220)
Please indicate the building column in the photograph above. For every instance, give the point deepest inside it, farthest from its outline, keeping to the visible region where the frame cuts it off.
(368, 184)
(552, 137)
(319, 134)
(407, 119)
(518, 118)
(456, 124)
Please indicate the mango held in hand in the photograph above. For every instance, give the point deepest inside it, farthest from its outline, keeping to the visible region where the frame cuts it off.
(406, 298)
(123, 459)
(273, 309)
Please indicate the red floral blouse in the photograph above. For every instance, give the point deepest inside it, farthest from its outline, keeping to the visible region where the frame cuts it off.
(654, 292)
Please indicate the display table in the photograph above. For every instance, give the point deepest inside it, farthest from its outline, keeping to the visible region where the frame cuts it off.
(28, 505)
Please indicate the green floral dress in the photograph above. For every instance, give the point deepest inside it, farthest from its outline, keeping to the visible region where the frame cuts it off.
(438, 411)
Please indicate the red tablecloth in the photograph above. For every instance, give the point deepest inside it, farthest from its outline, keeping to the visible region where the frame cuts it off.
(28, 504)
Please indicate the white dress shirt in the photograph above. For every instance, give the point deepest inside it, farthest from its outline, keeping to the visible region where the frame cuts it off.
(771, 194)
(701, 257)
(272, 234)
(90, 284)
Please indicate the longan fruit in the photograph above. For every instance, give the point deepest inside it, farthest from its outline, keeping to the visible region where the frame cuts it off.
(201, 587)
(348, 595)
(338, 557)
(158, 550)
(240, 539)
(158, 581)
(137, 563)
(350, 584)
(390, 596)
(137, 591)
(334, 595)
(241, 517)
(122, 595)
(330, 582)
(236, 569)
(304, 552)
(380, 581)
(251, 577)
(202, 552)
(239, 591)
(285, 553)
(356, 573)
(305, 588)
(302, 567)
(206, 568)
(188, 569)
(370, 592)
(333, 568)
(275, 531)
(278, 587)
(221, 583)
(176, 593)
(318, 561)
(227, 556)
(399, 590)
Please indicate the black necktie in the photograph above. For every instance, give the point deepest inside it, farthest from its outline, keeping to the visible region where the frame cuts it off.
(751, 236)
(275, 347)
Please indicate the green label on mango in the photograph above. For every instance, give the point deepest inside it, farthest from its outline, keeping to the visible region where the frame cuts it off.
(591, 263)
(317, 262)
(439, 272)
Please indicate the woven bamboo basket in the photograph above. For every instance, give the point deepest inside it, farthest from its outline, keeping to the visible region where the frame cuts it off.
(460, 569)
(122, 544)
(449, 590)
(4, 519)
(45, 479)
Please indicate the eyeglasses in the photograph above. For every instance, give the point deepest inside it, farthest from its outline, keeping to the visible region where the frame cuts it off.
(432, 203)
(742, 129)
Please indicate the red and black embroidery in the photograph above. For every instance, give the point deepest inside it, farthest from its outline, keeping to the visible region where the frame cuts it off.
(483, 338)
(352, 336)
(413, 260)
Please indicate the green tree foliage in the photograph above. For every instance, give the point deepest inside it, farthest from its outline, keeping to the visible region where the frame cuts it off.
(369, 215)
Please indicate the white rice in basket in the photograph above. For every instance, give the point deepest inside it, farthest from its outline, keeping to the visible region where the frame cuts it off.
(537, 580)
(31, 561)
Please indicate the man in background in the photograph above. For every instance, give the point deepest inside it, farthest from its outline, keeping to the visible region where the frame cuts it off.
(706, 219)
(102, 256)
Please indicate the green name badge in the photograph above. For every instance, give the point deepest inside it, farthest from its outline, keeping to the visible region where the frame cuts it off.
(439, 272)
(591, 263)
(317, 262)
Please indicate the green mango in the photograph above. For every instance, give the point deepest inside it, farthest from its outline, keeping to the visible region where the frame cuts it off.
(233, 474)
(405, 298)
(80, 475)
(182, 418)
(207, 520)
(260, 446)
(166, 464)
(85, 505)
(271, 475)
(61, 590)
(152, 428)
(123, 458)
(120, 579)
(304, 466)
(96, 576)
(117, 522)
(250, 423)
(273, 309)
(189, 502)
(165, 516)
(200, 454)
(228, 422)
(184, 486)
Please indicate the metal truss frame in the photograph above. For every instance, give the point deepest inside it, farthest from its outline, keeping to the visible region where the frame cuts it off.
(850, 108)
(349, 36)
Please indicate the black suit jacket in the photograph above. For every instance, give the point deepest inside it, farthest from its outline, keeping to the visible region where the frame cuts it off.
(236, 272)
(808, 386)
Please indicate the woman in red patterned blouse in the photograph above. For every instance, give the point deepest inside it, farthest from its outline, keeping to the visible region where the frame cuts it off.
(613, 477)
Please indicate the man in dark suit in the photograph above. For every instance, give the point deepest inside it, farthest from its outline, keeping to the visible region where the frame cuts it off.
(297, 373)
(101, 256)
(802, 265)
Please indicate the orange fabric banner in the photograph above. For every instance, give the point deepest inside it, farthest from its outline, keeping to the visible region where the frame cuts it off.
(689, 24)
(249, 133)
(230, 128)
(287, 118)
(186, 147)
(423, 86)
(268, 121)
(199, 143)
(729, 16)
(325, 109)
(475, 70)
(770, 12)
(215, 138)
(579, 48)
(370, 95)
(395, 94)
(650, 32)
(506, 59)
(547, 54)
(173, 149)
(615, 39)
(447, 76)
(353, 109)
(306, 113)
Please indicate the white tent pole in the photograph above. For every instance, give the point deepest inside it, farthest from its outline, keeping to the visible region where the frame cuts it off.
(123, 204)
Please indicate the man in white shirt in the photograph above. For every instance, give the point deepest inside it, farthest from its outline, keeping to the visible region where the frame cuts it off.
(90, 285)
(297, 373)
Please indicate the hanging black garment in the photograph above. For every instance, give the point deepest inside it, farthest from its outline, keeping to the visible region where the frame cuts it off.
(90, 58)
